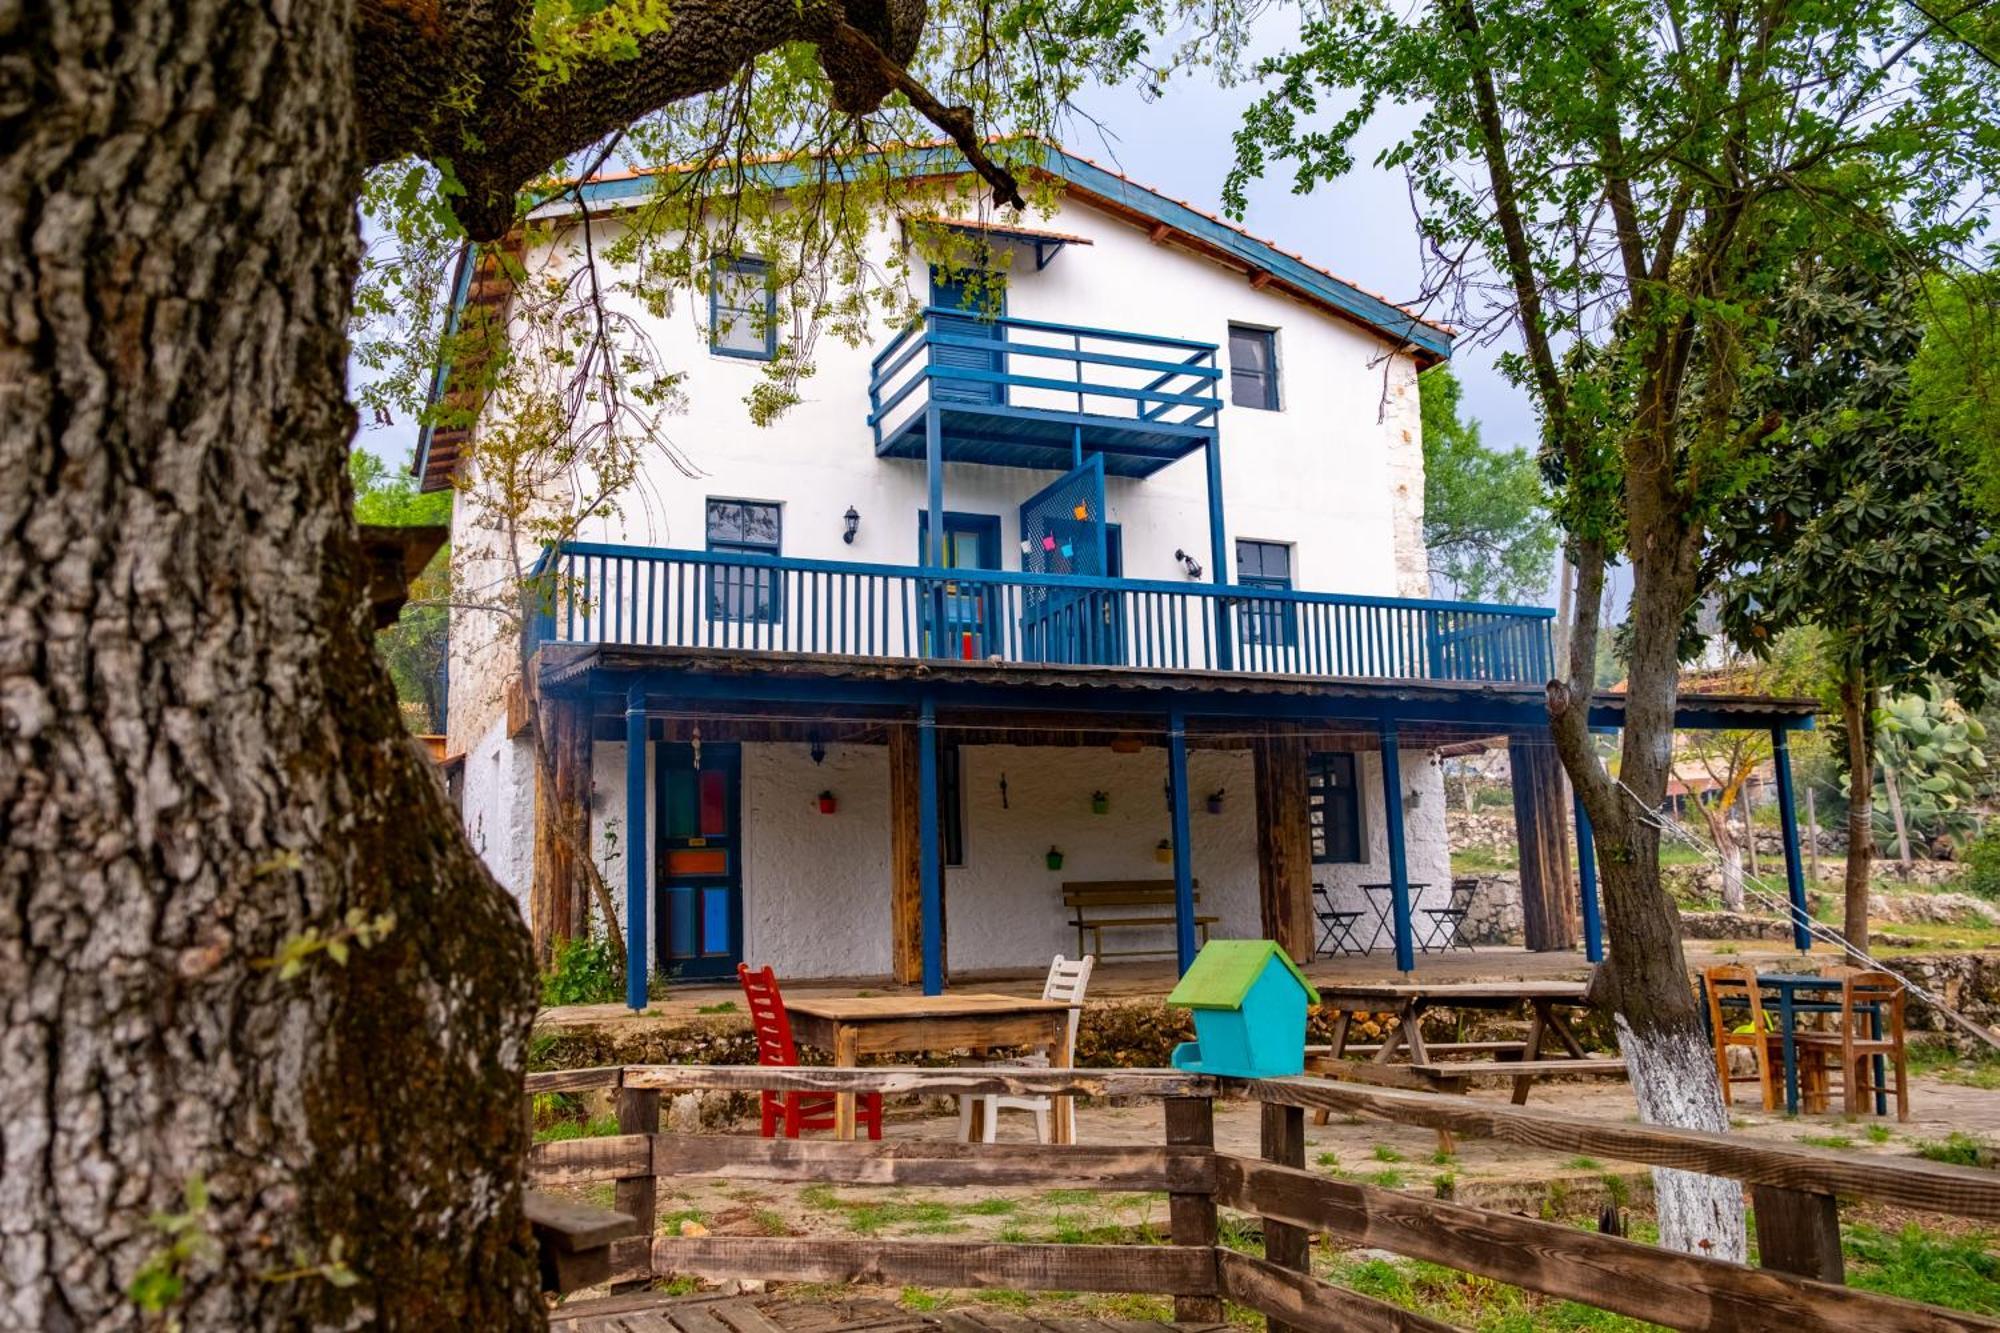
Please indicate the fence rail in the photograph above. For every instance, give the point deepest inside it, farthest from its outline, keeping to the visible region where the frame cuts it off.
(606, 594)
(1798, 1287)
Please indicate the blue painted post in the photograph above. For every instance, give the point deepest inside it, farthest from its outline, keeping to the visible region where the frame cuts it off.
(1399, 865)
(1788, 819)
(638, 849)
(1586, 878)
(1177, 779)
(930, 859)
(1218, 554)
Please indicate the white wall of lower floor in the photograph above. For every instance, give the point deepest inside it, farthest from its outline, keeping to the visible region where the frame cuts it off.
(816, 886)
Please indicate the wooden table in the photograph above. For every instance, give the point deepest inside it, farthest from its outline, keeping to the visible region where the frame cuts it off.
(851, 1027)
(1425, 1068)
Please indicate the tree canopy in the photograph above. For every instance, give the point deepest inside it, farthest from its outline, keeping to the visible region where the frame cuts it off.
(1486, 523)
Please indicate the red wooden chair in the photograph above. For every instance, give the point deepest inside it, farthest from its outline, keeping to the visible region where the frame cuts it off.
(773, 1026)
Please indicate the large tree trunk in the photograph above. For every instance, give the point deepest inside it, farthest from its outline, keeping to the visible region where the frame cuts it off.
(1727, 850)
(1857, 713)
(202, 770)
(1646, 978)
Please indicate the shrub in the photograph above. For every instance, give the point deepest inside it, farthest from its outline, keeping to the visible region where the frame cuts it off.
(1982, 861)
(583, 970)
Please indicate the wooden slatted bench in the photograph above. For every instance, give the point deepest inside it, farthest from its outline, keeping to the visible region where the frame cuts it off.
(1124, 898)
(574, 1239)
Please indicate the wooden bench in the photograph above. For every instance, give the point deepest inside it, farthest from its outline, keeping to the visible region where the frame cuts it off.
(1124, 898)
(574, 1240)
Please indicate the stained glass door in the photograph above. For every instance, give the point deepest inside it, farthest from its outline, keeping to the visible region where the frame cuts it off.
(698, 884)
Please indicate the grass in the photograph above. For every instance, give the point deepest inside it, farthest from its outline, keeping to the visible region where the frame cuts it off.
(1328, 1159)
(1479, 861)
(1956, 1271)
(1384, 1153)
(725, 1007)
(1391, 1179)
(1826, 1140)
(1584, 1164)
(1981, 1070)
(871, 1217)
(1957, 1149)
(599, 1127)
(1880, 1133)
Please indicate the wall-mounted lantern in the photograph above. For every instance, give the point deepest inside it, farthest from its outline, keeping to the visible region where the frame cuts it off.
(853, 521)
(1189, 563)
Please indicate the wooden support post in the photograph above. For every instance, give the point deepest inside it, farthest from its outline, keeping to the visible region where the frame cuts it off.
(1798, 1232)
(906, 885)
(930, 852)
(1284, 1143)
(638, 1196)
(1284, 848)
(1548, 915)
(1788, 823)
(1191, 1217)
(559, 902)
(1399, 863)
(1586, 884)
(1183, 842)
(638, 850)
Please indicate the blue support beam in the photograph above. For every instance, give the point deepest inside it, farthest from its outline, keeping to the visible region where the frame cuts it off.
(933, 554)
(930, 856)
(1399, 863)
(1788, 819)
(1218, 552)
(1177, 780)
(1586, 878)
(638, 849)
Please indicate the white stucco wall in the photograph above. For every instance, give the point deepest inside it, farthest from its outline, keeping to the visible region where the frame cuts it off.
(816, 886)
(499, 807)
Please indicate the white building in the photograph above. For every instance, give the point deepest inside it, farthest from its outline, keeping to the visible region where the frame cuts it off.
(1163, 394)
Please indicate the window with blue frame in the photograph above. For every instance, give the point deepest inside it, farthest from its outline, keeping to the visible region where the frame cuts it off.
(743, 310)
(1266, 565)
(1253, 367)
(747, 527)
(1333, 810)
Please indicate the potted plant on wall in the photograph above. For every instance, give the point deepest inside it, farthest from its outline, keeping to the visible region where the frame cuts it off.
(827, 804)
(1215, 801)
(1100, 803)
(1163, 852)
(1054, 858)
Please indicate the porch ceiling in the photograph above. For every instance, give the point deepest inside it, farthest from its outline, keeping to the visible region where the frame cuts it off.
(1091, 699)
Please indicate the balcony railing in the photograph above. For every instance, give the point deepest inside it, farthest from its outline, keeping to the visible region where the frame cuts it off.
(601, 594)
(1140, 399)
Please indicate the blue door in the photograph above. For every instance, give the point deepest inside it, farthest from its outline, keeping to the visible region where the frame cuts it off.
(983, 299)
(698, 880)
(1063, 533)
(969, 628)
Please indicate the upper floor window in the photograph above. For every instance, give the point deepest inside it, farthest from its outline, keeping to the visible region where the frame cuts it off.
(1266, 565)
(743, 310)
(1333, 809)
(1253, 367)
(734, 592)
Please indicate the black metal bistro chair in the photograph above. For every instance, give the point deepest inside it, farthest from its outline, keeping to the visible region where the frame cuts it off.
(1447, 928)
(1336, 927)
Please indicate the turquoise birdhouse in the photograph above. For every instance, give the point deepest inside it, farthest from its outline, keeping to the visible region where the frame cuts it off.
(1250, 1003)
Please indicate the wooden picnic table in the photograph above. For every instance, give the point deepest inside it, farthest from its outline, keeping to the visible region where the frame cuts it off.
(853, 1026)
(1430, 1066)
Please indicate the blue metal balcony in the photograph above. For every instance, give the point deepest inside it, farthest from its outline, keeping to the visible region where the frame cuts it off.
(1029, 394)
(629, 595)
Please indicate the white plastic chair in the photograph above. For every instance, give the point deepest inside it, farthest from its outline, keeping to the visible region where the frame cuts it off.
(1066, 982)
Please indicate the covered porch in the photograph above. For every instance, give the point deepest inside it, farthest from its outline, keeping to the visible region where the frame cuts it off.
(874, 896)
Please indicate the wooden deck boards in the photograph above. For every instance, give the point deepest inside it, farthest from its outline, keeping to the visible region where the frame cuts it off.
(649, 1312)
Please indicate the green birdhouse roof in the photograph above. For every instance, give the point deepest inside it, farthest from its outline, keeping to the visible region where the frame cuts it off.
(1225, 970)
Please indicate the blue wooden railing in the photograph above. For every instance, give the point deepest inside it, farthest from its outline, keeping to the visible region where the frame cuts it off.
(963, 359)
(601, 594)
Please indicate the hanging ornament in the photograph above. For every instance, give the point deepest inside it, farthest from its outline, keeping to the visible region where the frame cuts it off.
(1082, 512)
(1048, 543)
(1068, 550)
(694, 741)
(1026, 546)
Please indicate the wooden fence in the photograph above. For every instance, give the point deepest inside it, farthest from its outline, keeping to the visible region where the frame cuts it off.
(1796, 1194)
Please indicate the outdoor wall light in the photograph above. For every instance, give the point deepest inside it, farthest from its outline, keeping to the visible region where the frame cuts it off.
(1189, 563)
(853, 525)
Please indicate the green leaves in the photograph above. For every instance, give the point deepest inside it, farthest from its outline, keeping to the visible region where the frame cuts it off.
(1486, 524)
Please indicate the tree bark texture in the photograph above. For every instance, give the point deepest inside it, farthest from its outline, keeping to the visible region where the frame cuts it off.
(202, 769)
(1284, 847)
(559, 901)
(1857, 714)
(1541, 830)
